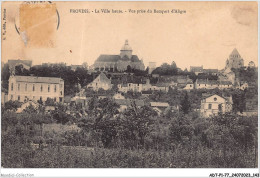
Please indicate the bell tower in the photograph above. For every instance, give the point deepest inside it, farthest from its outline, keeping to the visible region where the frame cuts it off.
(126, 50)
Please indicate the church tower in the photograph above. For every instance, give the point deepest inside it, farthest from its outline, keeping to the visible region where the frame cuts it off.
(235, 60)
(126, 50)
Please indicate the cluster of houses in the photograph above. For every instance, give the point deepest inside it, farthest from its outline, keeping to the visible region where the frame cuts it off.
(30, 89)
(144, 85)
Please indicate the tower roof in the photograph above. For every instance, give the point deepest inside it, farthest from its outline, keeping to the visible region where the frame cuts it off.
(235, 52)
(126, 47)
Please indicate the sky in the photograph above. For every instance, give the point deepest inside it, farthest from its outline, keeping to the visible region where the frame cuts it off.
(205, 35)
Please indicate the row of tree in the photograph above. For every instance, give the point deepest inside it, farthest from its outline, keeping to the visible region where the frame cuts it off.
(190, 141)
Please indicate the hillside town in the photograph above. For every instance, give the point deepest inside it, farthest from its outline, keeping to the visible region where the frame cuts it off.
(117, 76)
(120, 113)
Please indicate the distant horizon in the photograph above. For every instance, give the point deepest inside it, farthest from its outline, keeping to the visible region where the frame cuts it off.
(146, 65)
(205, 35)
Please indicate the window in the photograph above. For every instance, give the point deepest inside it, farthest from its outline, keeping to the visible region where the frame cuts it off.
(55, 99)
(48, 88)
(215, 99)
(55, 88)
(41, 88)
(12, 87)
(220, 107)
(12, 97)
(60, 92)
(40, 98)
(26, 87)
(18, 87)
(190, 85)
(33, 88)
(19, 98)
(210, 106)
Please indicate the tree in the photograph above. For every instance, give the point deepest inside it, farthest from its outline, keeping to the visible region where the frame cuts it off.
(49, 102)
(166, 69)
(239, 101)
(185, 104)
(40, 101)
(181, 129)
(5, 76)
(174, 65)
(20, 70)
(12, 105)
(129, 69)
(30, 109)
(101, 120)
(134, 126)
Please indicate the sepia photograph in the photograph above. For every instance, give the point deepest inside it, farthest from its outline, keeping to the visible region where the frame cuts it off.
(126, 84)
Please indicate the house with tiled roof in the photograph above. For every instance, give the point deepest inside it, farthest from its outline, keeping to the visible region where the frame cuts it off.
(189, 85)
(206, 84)
(215, 104)
(196, 69)
(126, 103)
(120, 62)
(162, 86)
(211, 71)
(131, 83)
(211, 84)
(225, 84)
(159, 107)
(100, 82)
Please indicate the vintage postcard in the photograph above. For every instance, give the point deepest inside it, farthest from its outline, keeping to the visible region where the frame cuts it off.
(129, 85)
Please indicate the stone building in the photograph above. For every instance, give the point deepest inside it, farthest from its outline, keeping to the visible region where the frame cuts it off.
(24, 88)
(196, 69)
(215, 104)
(235, 60)
(101, 82)
(120, 62)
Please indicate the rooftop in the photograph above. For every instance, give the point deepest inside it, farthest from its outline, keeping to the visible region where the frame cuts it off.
(115, 58)
(129, 102)
(159, 104)
(33, 79)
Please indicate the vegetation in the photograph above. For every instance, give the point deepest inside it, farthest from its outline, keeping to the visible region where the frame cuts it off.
(166, 69)
(137, 137)
(71, 78)
(100, 136)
